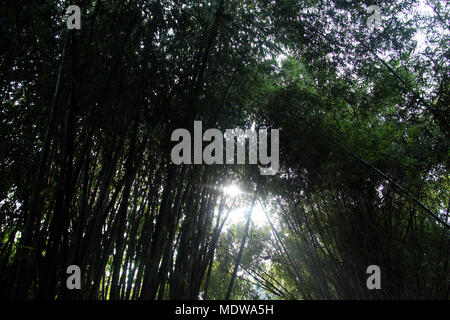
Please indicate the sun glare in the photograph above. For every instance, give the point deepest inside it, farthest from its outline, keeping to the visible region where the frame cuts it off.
(239, 214)
(232, 190)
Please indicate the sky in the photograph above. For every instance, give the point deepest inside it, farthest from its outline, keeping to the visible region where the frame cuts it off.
(239, 214)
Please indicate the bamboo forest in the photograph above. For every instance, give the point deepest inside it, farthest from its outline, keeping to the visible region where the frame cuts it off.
(224, 150)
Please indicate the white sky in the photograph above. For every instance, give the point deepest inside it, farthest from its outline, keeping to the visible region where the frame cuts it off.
(239, 215)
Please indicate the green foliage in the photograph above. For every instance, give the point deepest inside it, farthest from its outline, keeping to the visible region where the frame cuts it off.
(86, 178)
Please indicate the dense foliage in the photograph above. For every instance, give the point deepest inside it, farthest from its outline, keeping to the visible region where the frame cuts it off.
(87, 179)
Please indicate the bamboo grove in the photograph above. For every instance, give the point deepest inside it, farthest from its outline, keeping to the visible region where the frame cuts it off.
(87, 179)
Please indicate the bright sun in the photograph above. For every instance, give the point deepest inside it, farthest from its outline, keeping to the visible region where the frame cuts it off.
(232, 190)
(238, 214)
